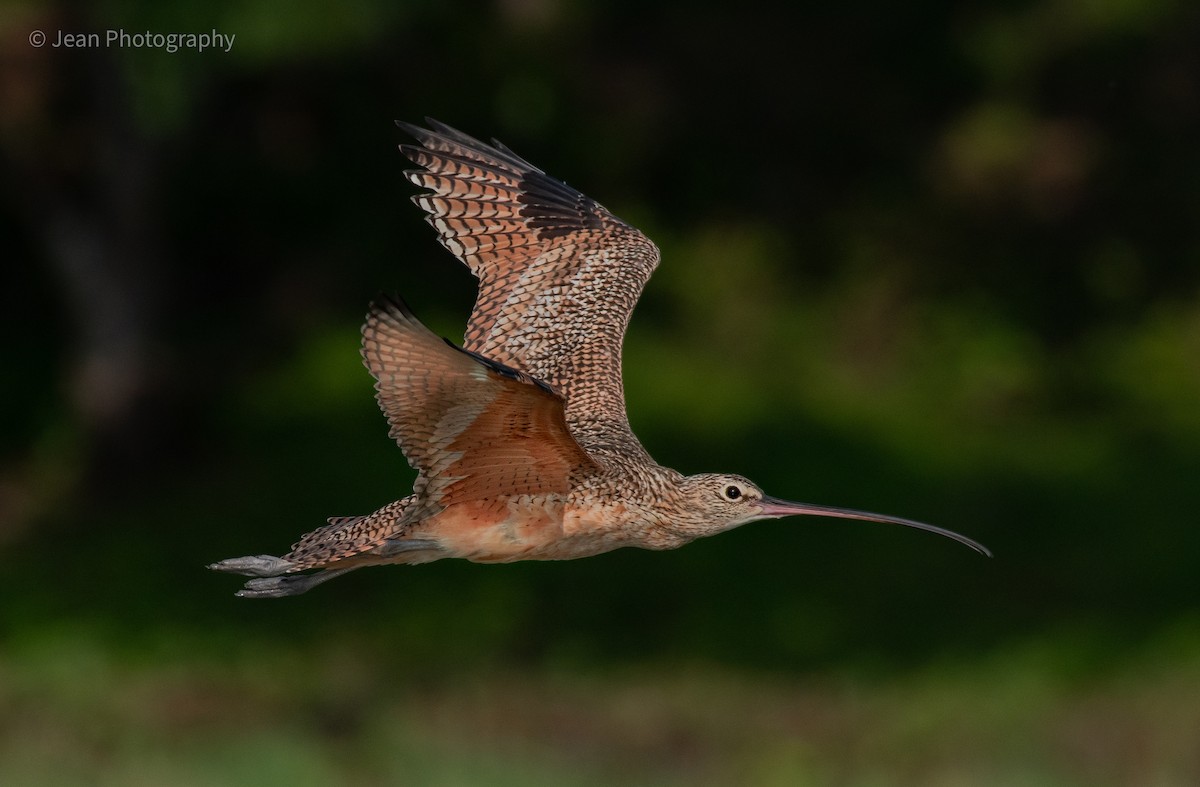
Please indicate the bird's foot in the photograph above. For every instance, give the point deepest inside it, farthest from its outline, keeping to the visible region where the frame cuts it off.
(253, 566)
(293, 585)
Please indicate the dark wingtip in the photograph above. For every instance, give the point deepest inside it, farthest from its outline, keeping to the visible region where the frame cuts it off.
(437, 130)
(391, 308)
(384, 302)
(504, 370)
(441, 128)
(421, 135)
(409, 128)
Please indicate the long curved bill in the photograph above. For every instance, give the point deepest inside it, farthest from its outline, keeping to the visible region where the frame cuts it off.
(774, 507)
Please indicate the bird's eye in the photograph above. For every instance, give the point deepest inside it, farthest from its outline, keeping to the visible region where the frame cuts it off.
(732, 492)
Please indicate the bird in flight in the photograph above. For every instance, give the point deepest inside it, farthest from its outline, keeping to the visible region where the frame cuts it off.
(519, 438)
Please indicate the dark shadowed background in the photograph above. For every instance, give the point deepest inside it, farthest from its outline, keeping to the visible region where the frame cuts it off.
(935, 259)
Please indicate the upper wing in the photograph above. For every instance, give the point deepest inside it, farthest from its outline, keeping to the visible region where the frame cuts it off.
(471, 427)
(558, 274)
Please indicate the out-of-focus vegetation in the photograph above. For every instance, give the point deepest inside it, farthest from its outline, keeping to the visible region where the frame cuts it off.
(934, 259)
(337, 714)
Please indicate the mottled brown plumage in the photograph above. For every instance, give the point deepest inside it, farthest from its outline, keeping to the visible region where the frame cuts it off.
(520, 438)
(558, 274)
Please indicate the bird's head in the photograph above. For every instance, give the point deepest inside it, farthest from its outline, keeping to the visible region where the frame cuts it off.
(717, 502)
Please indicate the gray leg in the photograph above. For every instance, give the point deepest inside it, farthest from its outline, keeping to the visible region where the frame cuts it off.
(294, 585)
(253, 566)
(396, 546)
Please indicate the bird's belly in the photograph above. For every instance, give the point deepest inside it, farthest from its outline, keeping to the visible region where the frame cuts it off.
(521, 528)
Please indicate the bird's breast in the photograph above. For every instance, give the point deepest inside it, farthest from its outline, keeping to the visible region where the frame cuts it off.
(502, 530)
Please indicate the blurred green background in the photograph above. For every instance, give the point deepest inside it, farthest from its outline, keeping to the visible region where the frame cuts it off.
(936, 259)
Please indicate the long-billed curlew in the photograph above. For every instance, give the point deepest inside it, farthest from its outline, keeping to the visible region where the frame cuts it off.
(519, 438)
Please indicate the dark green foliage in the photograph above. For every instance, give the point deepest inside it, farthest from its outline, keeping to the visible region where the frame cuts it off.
(919, 259)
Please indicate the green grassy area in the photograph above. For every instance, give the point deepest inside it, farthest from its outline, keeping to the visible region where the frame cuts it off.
(76, 711)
